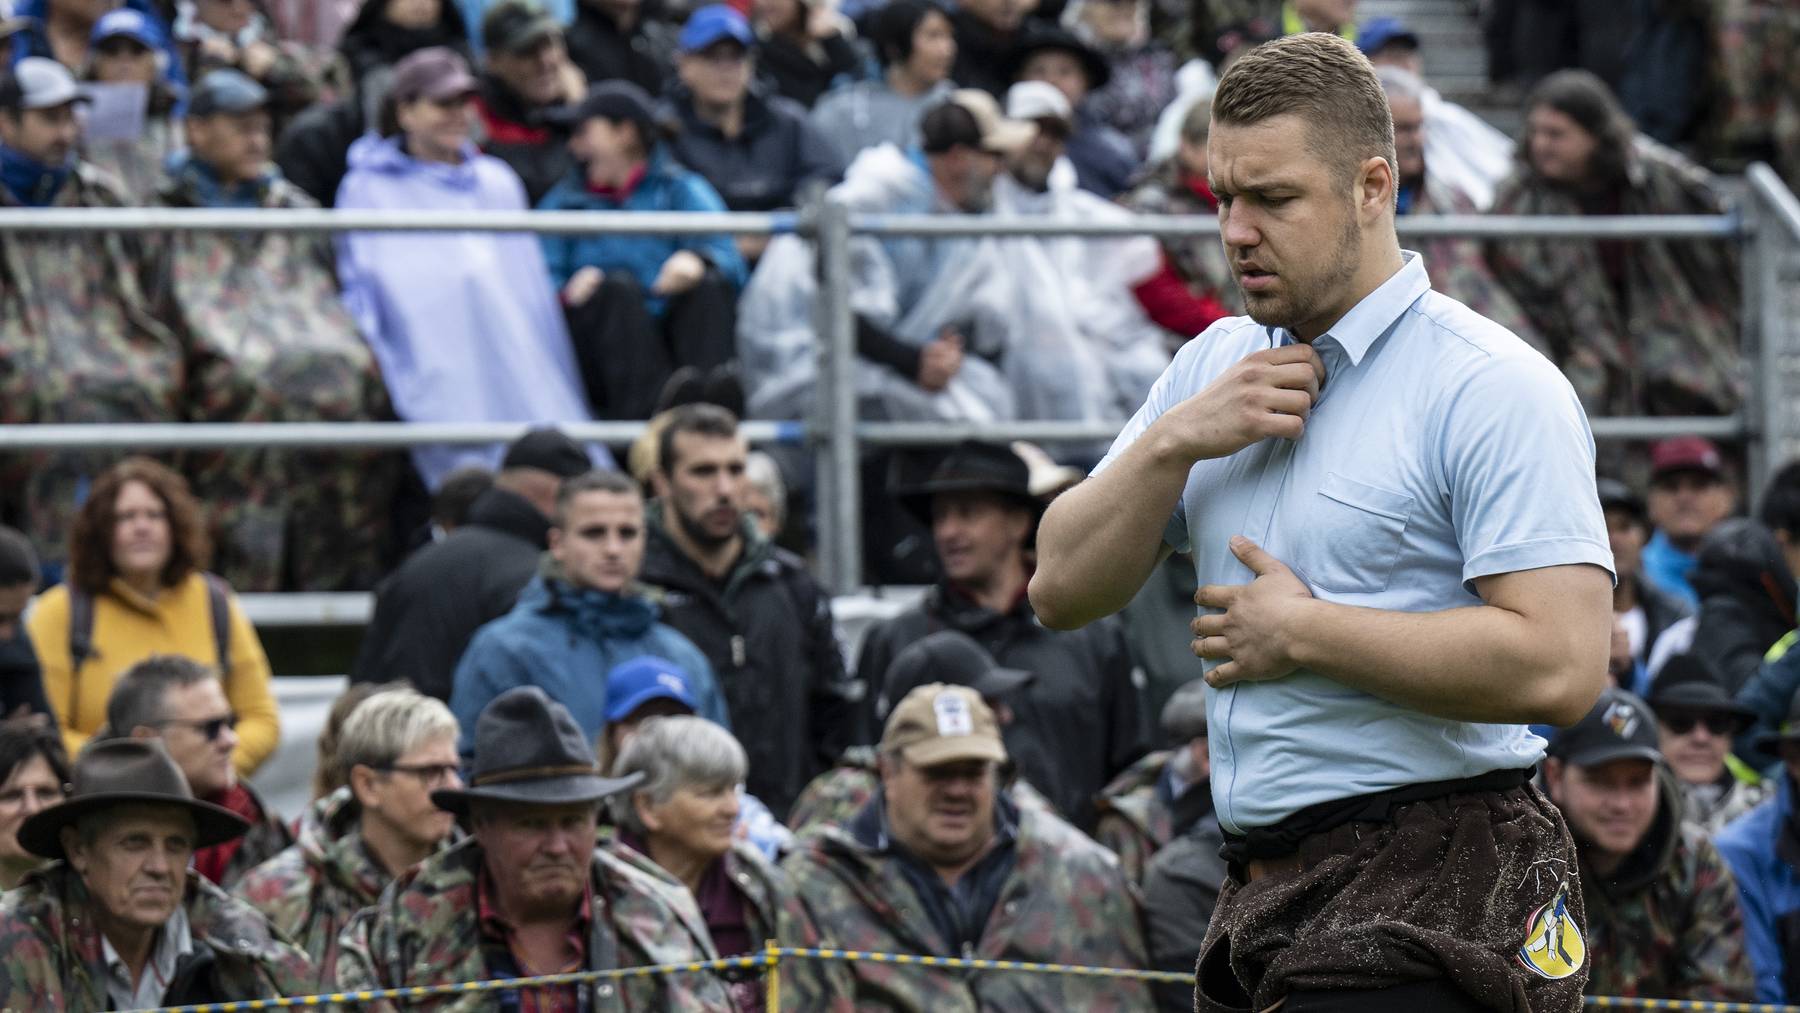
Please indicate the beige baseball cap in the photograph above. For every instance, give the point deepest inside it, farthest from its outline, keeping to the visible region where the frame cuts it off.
(938, 723)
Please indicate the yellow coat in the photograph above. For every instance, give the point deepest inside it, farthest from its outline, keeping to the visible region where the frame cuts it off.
(128, 628)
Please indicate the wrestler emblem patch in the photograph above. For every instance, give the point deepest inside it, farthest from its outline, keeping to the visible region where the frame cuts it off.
(1622, 719)
(1553, 945)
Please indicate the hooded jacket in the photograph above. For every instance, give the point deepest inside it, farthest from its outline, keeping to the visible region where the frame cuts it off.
(79, 342)
(1063, 900)
(371, 45)
(666, 186)
(51, 950)
(775, 155)
(310, 891)
(429, 609)
(423, 931)
(464, 325)
(1666, 923)
(1082, 712)
(1746, 599)
(1763, 850)
(267, 338)
(566, 639)
(767, 631)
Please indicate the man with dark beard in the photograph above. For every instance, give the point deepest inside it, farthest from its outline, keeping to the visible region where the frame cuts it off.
(1402, 563)
(762, 621)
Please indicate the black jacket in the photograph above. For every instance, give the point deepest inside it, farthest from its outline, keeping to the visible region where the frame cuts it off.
(1746, 599)
(766, 165)
(314, 149)
(1083, 710)
(768, 632)
(645, 56)
(1181, 889)
(428, 609)
(984, 57)
(523, 138)
(372, 45)
(804, 72)
(21, 677)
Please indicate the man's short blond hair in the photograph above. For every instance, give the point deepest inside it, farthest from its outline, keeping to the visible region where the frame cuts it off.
(1326, 82)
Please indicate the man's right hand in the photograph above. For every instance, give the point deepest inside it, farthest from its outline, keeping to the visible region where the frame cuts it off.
(940, 361)
(1268, 394)
(582, 285)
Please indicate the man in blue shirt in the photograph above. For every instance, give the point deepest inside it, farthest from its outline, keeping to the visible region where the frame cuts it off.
(1390, 502)
(1690, 494)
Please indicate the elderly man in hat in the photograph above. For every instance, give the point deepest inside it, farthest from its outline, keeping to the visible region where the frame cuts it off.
(1083, 701)
(942, 862)
(529, 894)
(1662, 910)
(947, 656)
(1763, 850)
(1697, 720)
(118, 921)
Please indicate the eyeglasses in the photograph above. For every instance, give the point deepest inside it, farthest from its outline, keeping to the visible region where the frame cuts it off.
(1718, 724)
(210, 729)
(429, 774)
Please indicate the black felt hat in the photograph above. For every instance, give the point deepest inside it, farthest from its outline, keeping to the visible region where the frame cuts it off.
(528, 749)
(1041, 37)
(973, 467)
(954, 658)
(1687, 683)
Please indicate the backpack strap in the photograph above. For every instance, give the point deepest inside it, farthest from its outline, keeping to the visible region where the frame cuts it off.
(218, 599)
(81, 646)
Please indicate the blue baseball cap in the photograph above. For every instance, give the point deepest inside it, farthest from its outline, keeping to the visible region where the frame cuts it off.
(1383, 31)
(714, 23)
(643, 679)
(133, 25)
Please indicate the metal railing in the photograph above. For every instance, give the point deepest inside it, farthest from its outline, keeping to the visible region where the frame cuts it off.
(1767, 224)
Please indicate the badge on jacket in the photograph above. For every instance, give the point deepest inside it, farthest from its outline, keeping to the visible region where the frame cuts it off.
(1553, 945)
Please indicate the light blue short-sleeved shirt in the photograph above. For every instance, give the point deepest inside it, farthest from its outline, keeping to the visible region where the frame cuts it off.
(1442, 449)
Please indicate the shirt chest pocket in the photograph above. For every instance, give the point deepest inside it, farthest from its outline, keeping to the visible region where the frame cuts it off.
(1353, 535)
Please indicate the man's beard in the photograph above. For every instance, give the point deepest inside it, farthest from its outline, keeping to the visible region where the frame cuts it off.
(1301, 302)
(697, 533)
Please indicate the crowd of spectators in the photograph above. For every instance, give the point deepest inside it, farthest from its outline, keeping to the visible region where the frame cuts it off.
(995, 107)
(975, 783)
(603, 715)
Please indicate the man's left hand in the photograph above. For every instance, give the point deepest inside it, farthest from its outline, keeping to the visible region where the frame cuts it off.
(1250, 635)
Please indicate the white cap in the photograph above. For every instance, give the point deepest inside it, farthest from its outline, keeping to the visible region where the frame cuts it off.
(43, 84)
(1038, 100)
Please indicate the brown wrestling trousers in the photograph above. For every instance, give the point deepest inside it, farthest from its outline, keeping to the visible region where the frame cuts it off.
(1466, 902)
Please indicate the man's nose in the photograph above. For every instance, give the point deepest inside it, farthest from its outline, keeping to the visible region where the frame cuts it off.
(1236, 227)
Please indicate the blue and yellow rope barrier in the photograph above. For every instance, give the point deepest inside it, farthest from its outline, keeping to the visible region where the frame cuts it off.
(771, 956)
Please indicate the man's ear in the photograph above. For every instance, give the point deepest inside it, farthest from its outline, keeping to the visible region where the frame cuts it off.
(1376, 185)
(659, 484)
(72, 849)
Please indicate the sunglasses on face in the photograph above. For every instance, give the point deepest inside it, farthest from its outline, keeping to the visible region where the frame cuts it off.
(1718, 724)
(210, 729)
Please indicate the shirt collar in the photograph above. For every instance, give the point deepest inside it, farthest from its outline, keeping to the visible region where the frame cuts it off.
(1369, 319)
(495, 924)
(173, 941)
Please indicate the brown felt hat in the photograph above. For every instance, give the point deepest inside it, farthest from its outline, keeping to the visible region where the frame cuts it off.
(117, 772)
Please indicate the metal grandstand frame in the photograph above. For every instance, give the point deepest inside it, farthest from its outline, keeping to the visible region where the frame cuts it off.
(1766, 222)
